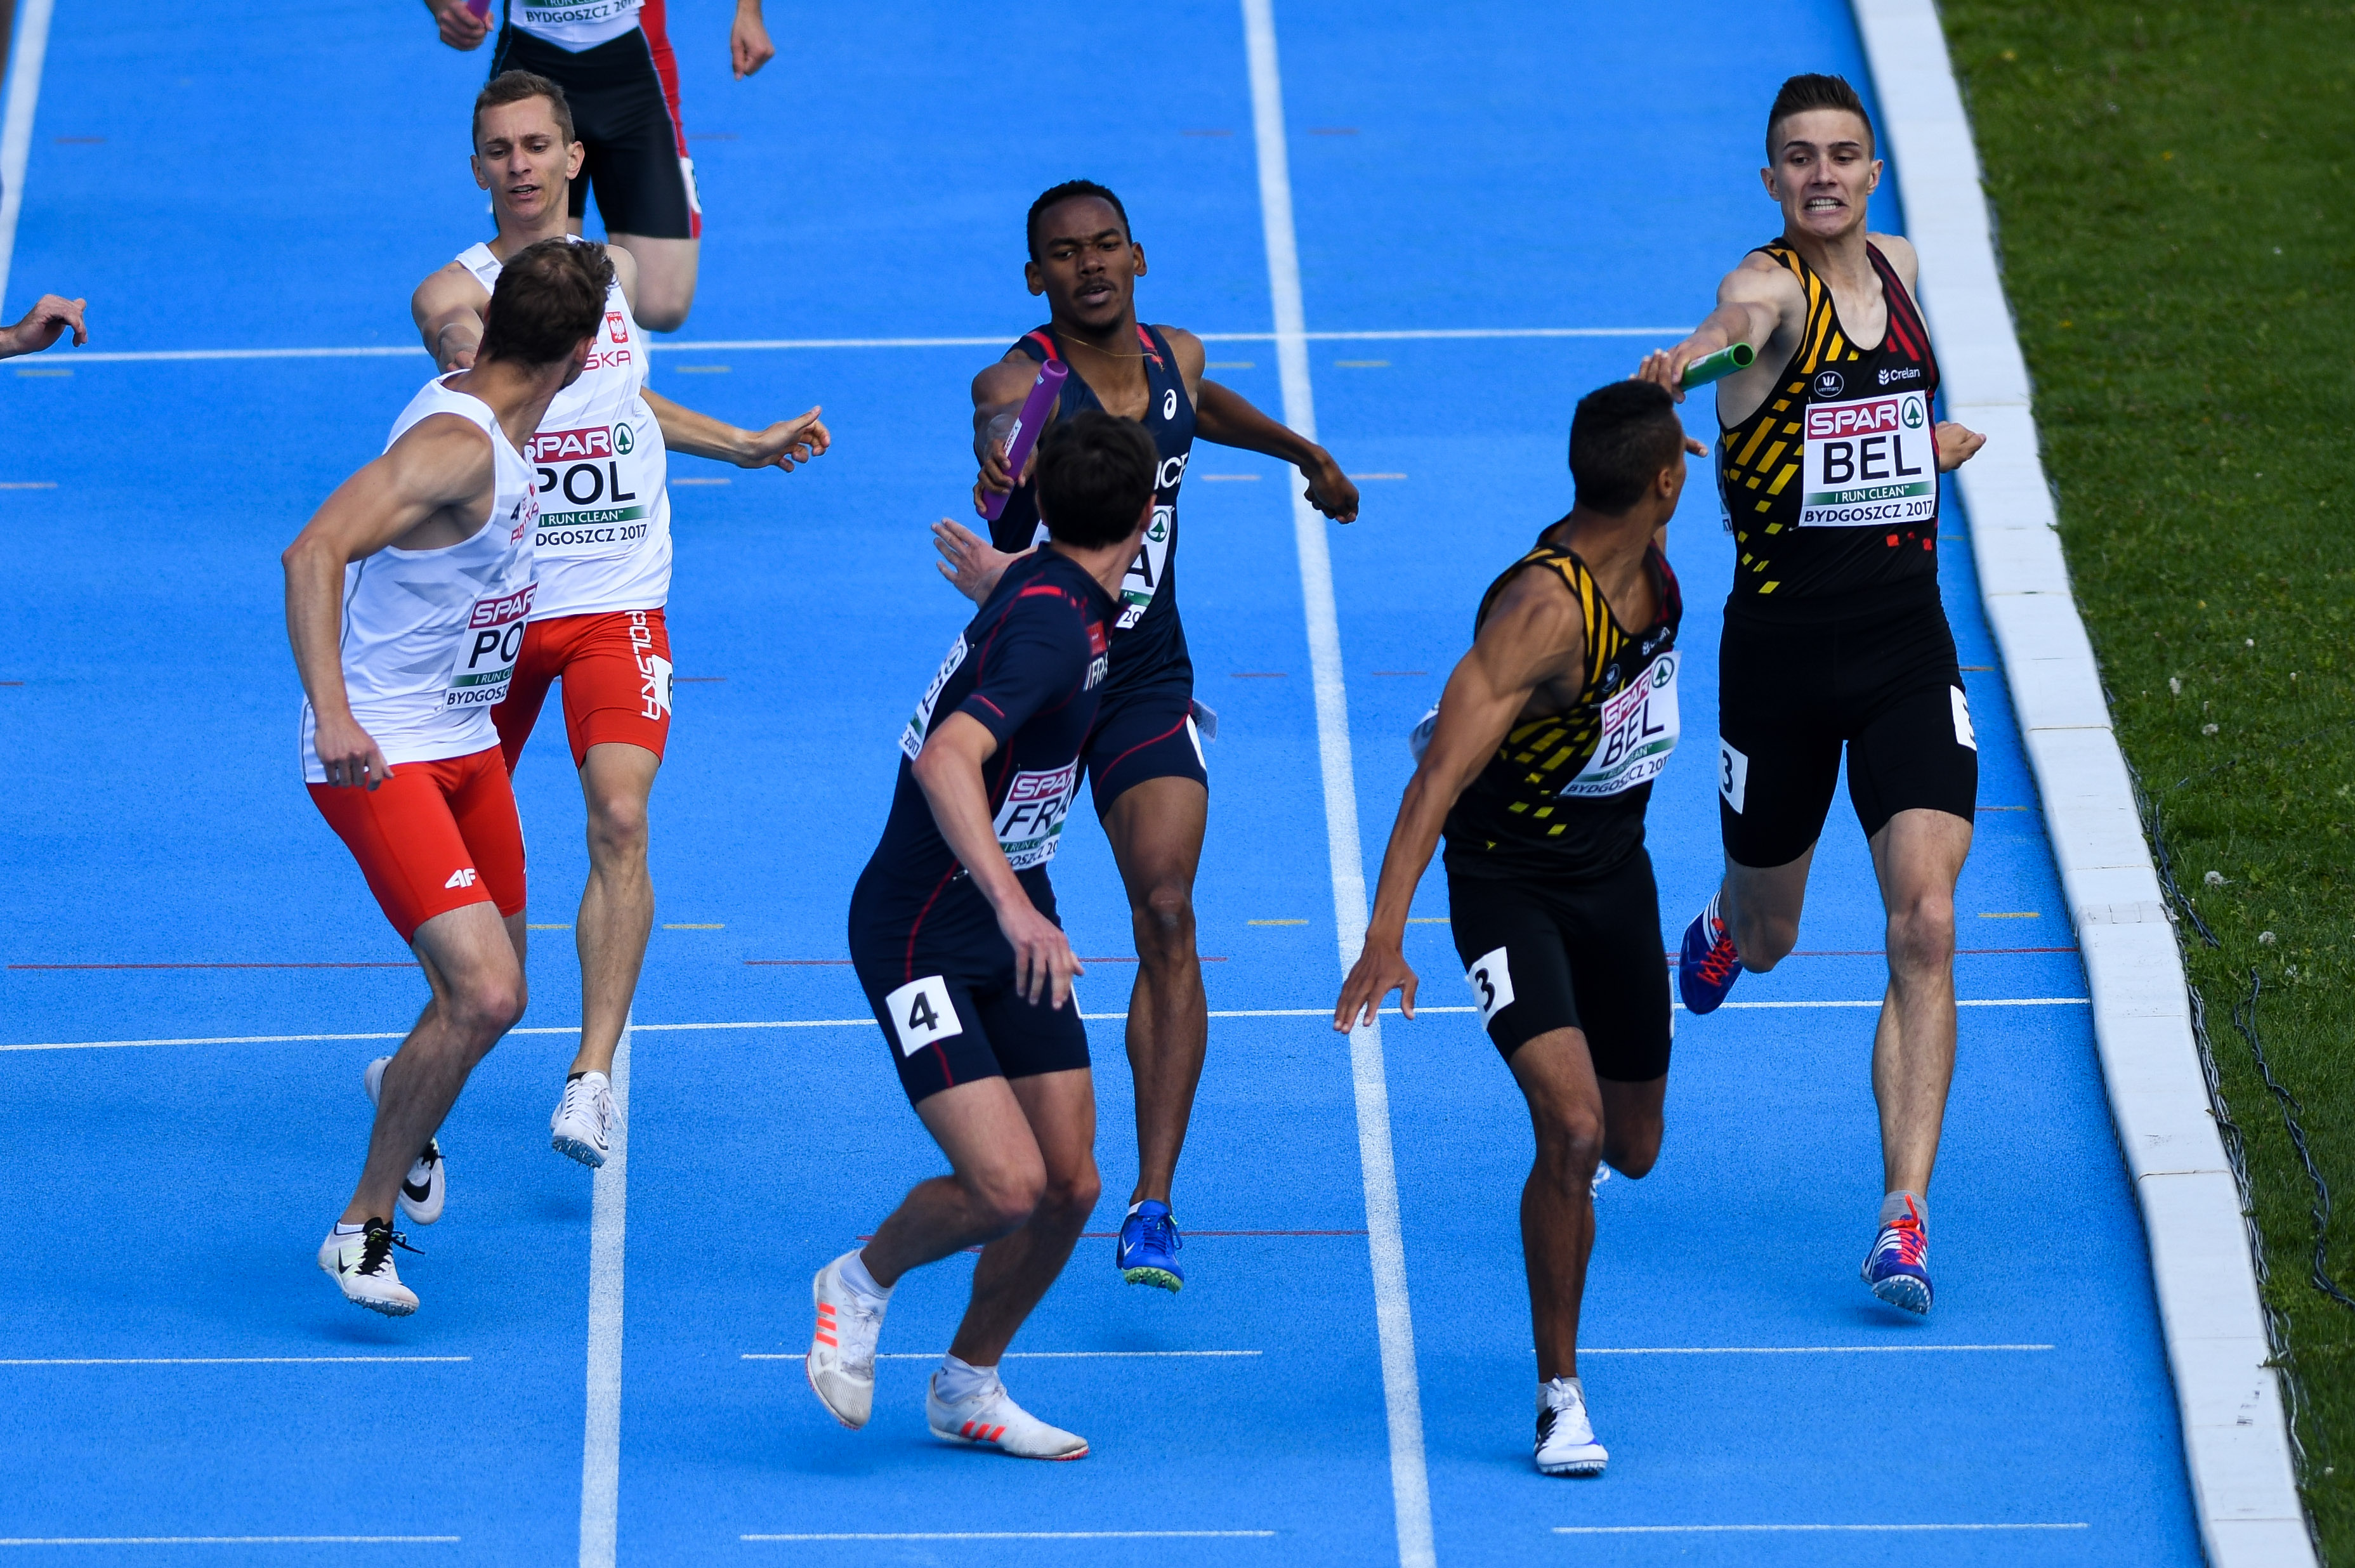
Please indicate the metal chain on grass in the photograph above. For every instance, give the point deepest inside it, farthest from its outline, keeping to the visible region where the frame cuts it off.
(2245, 1018)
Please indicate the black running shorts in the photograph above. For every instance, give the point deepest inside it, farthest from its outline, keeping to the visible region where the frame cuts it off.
(1792, 696)
(1140, 735)
(625, 113)
(950, 1017)
(1546, 954)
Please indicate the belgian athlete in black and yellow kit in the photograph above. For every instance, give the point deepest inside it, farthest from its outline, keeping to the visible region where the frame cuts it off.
(1538, 765)
(1828, 468)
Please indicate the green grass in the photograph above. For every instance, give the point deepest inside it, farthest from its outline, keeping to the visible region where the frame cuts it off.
(2175, 187)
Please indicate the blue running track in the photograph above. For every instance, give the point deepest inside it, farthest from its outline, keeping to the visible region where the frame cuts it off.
(178, 1372)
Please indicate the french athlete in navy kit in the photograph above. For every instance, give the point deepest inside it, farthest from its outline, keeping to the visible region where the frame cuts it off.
(1827, 464)
(1145, 762)
(953, 934)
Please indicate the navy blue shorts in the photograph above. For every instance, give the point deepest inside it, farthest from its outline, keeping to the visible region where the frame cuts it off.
(1149, 733)
(948, 1008)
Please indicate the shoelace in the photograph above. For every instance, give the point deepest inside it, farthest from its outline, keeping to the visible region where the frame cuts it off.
(1720, 960)
(1906, 1236)
(870, 1330)
(1162, 1228)
(377, 1246)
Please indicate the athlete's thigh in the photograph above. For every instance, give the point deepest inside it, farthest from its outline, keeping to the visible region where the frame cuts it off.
(406, 841)
(1918, 752)
(1617, 972)
(468, 949)
(981, 1128)
(617, 682)
(1061, 1108)
(1919, 853)
(1155, 831)
(1555, 1073)
(1778, 760)
(645, 187)
(1029, 1039)
(1514, 960)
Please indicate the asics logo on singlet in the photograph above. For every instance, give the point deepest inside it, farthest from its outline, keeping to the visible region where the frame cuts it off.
(1830, 383)
(461, 877)
(1171, 471)
(1909, 373)
(1169, 404)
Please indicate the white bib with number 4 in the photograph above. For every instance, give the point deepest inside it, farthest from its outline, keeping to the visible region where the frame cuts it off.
(921, 1013)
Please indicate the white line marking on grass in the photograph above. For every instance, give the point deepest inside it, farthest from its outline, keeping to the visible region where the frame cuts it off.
(1010, 1355)
(1746, 1529)
(1385, 1243)
(220, 1360)
(229, 1540)
(1795, 1350)
(1027, 1535)
(600, 1448)
(1427, 334)
(869, 1022)
(17, 130)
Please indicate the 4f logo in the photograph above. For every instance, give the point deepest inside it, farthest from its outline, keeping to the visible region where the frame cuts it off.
(461, 877)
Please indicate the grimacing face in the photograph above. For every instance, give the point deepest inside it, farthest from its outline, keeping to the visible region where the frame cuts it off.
(522, 158)
(1087, 266)
(1823, 172)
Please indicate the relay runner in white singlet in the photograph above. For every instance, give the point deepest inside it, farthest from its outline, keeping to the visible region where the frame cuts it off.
(602, 544)
(407, 600)
(613, 58)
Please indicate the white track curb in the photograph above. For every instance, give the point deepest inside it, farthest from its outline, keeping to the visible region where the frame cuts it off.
(2235, 1442)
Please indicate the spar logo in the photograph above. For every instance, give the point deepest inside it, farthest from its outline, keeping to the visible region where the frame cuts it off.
(566, 445)
(1873, 416)
(506, 608)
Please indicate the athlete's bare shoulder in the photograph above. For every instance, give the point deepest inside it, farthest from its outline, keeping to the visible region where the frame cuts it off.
(625, 271)
(1536, 629)
(1192, 357)
(1004, 380)
(1759, 279)
(1901, 256)
(448, 287)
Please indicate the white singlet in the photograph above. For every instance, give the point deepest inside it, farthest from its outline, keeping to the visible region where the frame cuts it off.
(430, 637)
(574, 25)
(604, 539)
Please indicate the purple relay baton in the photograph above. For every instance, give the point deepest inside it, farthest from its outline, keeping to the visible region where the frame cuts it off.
(1024, 433)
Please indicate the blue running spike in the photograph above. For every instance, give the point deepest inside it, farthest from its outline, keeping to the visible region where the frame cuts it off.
(1147, 1250)
(1898, 1267)
(1706, 965)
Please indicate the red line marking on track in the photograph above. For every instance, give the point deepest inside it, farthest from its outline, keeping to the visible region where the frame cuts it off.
(1877, 953)
(405, 964)
(769, 962)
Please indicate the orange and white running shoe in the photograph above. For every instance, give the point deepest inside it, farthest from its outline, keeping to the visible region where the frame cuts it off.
(991, 1418)
(841, 1363)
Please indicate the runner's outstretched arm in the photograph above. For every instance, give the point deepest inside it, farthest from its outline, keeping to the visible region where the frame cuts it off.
(1534, 634)
(43, 325)
(1753, 303)
(798, 440)
(949, 771)
(443, 463)
(1227, 417)
(448, 310)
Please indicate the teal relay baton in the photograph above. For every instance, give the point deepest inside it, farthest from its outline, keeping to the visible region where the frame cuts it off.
(1718, 366)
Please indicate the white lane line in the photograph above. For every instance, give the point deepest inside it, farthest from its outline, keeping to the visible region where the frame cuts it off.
(1010, 1355)
(221, 1361)
(1796, 1349)
(1385, 1242)
(17, 130)
(227, 1541)
(601, 1446)
(383, 351)
(1749, 1529)
(870, 1022)
(1027, 1535)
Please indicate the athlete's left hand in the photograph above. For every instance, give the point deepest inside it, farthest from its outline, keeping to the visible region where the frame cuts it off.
(786, 442)
(1329, 490)
(1381, 969)
(43, 325)
(968, 561)
(748, 41)
(1957, 446)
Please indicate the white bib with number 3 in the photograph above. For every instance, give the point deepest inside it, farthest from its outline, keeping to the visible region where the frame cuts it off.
(1491, 979)
(921, 1013)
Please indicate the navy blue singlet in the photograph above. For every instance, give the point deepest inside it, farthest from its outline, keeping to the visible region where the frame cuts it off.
(1148, 642)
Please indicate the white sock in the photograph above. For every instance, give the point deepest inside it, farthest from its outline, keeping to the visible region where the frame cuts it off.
(344, 1230)
(1892, 1209)
(853, 1269)
(1546, 1392)
(957, 1381)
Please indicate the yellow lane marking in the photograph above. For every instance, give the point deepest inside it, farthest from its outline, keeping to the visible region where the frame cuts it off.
(1275, 923)
(1363, 364)
(1376, 476)
(668, 926)
(1251, 478)
(530, 927)
(703, 482)
(700, 369)
(2012, 914)
(1426, 919)
(45, 372)
(30, 484)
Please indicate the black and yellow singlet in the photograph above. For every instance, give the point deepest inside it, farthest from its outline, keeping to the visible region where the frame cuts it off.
(1831, 488)
(1565, 793)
